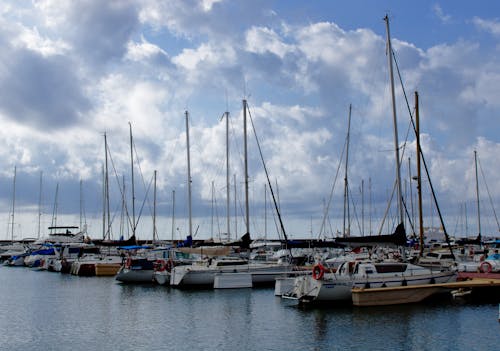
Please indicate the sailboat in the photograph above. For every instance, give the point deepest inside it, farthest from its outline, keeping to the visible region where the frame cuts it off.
(237, 272)
(138, 266)
(325, 285)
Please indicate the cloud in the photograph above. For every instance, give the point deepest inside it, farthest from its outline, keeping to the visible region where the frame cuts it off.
(72, 70)
(41, 91)
(438, 11)
(491, 26)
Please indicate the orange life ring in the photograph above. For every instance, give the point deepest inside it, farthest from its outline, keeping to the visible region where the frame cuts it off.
(318, 271)
(160, 265)
(485, 267)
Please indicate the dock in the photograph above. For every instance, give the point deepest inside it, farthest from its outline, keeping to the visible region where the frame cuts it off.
(417, 293)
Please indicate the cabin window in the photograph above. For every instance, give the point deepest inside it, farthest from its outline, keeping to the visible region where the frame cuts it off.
(390, 268)
(230, 263)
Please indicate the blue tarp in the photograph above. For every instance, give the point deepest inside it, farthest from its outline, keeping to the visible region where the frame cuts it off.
(133, 247)
(186, 243)
(495, 256)
(43, 252)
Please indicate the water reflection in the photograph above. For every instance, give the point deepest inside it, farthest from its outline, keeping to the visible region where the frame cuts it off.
(43, 310)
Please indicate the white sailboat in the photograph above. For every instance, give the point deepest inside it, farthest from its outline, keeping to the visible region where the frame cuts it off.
(336, 285)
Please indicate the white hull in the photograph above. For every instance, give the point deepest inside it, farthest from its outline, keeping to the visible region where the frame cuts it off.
(162, 278)
(338, 286)
(186, 276)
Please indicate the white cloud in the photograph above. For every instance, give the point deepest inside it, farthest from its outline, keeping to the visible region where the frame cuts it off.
(145, 62)
(263, 40)
(143, 50)
(438, 11)
(491, 26)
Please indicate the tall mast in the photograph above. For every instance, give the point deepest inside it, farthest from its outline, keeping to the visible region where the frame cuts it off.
(154, 209)
(235, 206)
(347, 231)
(189, 175)
(13, 204)
(396, 141)
(477, 198)
(362, 207)
(40, 205)
(81, 204)
(132, 173)
(106, 189)
(103, 203)
(54, 210)
(265, 212)
(370, 206)
(173, 214)
(228, 214)
(247, 211)
(419, 179)
(212, 219)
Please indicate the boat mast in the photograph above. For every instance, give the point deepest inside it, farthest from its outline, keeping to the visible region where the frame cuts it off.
(81, 204)
(477, 198)
(13, 204)
(396, 141)
(227, 179)
(265, 212)
(132, 173)
(173, 214)
(54, 210)
(103, 203)
(154, 209)
(419, 179)
(347, 231)
(40, 205)
(106, 190)
(362, 207)
(189, 175)
(212, 219)
(247, 211)
(235, 206)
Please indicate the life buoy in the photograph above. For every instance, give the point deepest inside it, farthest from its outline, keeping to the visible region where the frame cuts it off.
(160, 265)
(485, 267)
(318, 271)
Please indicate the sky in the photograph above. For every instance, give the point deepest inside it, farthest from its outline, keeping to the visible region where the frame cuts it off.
(74, 71)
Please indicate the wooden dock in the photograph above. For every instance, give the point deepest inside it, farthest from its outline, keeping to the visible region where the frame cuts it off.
(417, 293)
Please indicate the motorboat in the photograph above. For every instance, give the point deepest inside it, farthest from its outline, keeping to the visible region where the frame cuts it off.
(328, 286)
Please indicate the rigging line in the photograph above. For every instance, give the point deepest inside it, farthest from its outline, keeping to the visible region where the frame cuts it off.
(387, 209)
(327, 210)
(268, 180)
(425, 164)
(144, 201)
(354, 209)
(120, 187)
(143, 182)
(488, 191)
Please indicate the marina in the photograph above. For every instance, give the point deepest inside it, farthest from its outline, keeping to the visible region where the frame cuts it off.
(314, 213)
(52, 310)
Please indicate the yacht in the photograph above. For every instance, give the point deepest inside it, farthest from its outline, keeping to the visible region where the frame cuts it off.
(328, 286)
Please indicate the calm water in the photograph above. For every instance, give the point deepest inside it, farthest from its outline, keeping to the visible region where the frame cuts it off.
(51, 311)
